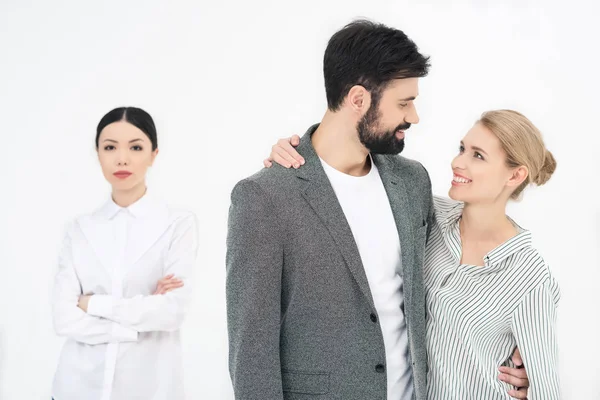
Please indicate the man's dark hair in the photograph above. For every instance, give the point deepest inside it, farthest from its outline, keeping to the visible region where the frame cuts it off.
(369, 54)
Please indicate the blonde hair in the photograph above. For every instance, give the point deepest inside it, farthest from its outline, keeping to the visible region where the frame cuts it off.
(523, 144)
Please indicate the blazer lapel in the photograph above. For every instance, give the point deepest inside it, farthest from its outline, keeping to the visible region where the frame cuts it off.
(401, 209)
(319, 193)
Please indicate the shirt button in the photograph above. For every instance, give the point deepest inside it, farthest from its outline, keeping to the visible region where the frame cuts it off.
(373, 317)
(380, 368)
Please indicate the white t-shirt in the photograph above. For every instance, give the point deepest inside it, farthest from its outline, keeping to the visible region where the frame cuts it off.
(367, 209)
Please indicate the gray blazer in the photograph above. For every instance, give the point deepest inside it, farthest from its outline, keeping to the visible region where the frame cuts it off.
(301, 318)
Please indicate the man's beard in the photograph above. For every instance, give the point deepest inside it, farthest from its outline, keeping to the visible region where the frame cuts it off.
(376, 141)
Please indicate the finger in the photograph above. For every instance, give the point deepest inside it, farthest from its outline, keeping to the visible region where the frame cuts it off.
(267, 163)
(295, 140)
(516, 357)
(280, 160)
(517, 394)
(511, 380)
(284, 152)
(173, 282)
(169, 287)
(288, 148)
(517, 372)
(165, 279)
(161, 282)
(161, 291)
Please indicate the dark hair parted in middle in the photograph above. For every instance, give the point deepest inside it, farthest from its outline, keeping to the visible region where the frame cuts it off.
(371, 55)
(136, 117)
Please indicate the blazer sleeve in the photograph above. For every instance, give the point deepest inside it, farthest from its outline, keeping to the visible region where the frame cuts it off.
(254, 265)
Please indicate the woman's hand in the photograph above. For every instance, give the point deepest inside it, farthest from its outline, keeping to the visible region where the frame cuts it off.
(83, 302)
(167, 284)
(284, 153)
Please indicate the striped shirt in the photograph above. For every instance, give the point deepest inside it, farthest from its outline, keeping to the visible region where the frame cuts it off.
(477, 315)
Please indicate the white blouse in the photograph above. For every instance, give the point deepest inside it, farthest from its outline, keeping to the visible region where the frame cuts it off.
(127, 345)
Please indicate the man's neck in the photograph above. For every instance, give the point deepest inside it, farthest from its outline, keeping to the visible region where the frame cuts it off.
(336, 142)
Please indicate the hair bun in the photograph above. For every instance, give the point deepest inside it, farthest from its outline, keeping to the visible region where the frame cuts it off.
(547, 169)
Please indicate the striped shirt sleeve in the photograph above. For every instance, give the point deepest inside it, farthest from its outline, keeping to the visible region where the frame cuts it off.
(534, 327)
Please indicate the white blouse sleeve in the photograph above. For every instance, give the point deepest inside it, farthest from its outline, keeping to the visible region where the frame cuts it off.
(71, 321)
(157, 312)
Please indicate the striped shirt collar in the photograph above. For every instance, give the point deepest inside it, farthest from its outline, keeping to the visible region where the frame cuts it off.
(449, 223)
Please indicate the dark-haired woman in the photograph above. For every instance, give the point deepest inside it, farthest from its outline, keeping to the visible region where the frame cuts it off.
(122, 287)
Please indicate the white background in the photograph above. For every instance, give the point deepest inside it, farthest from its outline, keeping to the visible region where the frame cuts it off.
(223, 81)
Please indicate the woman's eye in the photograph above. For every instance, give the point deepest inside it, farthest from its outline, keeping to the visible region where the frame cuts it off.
(136, 148)
(109, 147)
(478, 155)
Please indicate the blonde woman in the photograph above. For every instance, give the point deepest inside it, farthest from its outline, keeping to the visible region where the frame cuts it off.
(488, 290)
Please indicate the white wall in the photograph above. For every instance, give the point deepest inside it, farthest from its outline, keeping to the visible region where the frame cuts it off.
(224, 80)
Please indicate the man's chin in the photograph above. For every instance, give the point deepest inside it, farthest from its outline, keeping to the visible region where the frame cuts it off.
(394, 149)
